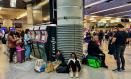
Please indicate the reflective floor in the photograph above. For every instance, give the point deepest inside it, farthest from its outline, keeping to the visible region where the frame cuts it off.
(25, 70)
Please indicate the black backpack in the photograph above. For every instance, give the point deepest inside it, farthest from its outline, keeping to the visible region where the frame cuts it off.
(4, 40)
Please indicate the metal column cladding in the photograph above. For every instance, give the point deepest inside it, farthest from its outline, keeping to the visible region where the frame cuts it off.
(69, 31)
(53, 11)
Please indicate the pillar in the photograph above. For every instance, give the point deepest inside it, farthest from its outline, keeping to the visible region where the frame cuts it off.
(69, 31)
(29, 15)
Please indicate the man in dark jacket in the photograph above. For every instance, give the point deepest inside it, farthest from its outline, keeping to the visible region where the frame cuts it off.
(120, 39)
(94, 50)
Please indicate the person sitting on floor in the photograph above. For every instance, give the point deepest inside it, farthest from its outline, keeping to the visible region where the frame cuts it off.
(74, 65)
(94, 50)
(60, 64)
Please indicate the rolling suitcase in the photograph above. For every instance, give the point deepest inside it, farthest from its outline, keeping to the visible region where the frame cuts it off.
(20, 55)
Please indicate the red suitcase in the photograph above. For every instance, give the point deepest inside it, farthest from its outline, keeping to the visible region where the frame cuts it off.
(20, 56)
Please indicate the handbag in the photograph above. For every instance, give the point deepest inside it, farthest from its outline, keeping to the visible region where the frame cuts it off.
(29, 42)
(62, 69)
(93, 62)
(40, 65)
(50, 68)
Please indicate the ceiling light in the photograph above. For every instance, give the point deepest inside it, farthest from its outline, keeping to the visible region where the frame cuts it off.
(22, 15)
(12, 3)
(108, 17)
(0, 8)
(130, 20)
(112, 8)
(41, 4)
(26, 1)
(95, 3)
(92, 18)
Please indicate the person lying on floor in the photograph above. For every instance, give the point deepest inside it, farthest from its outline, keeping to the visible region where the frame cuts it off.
(74, 65)
(94, 50)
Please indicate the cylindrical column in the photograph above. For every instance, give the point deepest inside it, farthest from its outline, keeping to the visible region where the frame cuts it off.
(29, 15)
(69, 31)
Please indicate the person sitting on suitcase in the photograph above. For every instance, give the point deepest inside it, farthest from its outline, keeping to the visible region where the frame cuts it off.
(74, 66)
(94, 50)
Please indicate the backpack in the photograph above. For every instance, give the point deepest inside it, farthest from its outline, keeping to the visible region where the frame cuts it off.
(62, 69)
(3, 40)
(40, 65)
(93, 62)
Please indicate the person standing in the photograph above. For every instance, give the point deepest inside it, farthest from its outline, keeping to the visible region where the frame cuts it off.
(101, 35)
(120, 39)
(12, 45)
(27, 45)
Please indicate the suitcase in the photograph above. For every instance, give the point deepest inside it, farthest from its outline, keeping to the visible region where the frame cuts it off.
(20, 55)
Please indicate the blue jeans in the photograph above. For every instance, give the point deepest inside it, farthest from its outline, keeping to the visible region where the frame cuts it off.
(27, 51)
(120, 56)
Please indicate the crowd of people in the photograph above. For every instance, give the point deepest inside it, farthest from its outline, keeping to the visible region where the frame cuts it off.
(117, 38)
(17, 41)
(18, 45)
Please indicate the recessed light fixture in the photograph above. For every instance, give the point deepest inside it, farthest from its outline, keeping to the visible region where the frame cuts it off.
(12, 3)
(0, 8)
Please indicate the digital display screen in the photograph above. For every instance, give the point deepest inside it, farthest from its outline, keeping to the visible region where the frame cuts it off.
(3, 29)
(12, 28)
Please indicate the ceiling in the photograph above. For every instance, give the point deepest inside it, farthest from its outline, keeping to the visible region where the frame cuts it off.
(112, 8)
(7, 12)
(10, 13)
(19, 4)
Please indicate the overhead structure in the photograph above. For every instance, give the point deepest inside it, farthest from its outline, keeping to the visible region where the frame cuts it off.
(112, 8)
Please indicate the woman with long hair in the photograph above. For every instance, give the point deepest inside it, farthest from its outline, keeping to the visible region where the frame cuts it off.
(27, 45)
(74, 65)
(12, 44)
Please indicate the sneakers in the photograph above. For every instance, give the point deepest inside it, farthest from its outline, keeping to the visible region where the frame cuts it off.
(119, 70)
(71, 74)
(123, 69)
(105, 66)
(77, 74)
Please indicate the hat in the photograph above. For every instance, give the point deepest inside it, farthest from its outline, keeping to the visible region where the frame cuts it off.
(119, 26)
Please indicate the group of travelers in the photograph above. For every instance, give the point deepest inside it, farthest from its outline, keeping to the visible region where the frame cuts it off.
(17, 41)
(117, 39)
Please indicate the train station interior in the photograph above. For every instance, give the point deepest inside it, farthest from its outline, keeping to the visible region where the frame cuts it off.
(39, 29)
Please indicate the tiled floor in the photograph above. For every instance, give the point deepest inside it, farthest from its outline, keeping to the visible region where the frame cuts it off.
(25, 70)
